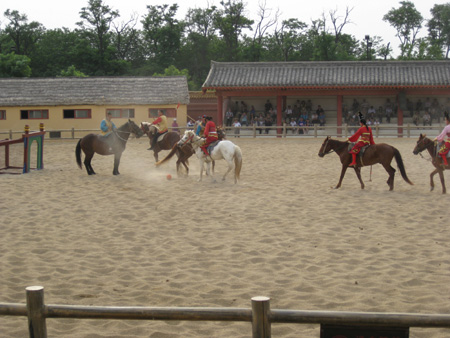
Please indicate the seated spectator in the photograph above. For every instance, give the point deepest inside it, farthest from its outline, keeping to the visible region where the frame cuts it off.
(268, 122)
(371, 112)
(289, 112)
(416, 118)
(426, 118)
(308, 106)
(244, 120)
(293, 124)
(252, 113)
(260, 122)
(268, 106)
(302, 123)
(314, 118)
(322, 119)
(190, 124)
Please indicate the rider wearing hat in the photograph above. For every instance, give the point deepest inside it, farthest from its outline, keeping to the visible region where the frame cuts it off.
(365, 136)
(210, 133)
(161, 123)
(444, 136)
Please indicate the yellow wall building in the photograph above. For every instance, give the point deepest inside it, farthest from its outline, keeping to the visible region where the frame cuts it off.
(63, 104)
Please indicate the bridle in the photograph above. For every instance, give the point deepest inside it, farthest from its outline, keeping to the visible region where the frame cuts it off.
(331, 150)
(116, 132)
(425, 146)
(188, 139)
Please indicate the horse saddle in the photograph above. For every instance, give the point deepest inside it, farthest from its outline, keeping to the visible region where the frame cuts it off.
(361, 151)
(211, 146)
(161, 137)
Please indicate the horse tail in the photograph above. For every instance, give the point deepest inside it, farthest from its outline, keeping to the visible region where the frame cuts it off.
(169, 155)
(78, 154)
(401, 166)
(237, 162)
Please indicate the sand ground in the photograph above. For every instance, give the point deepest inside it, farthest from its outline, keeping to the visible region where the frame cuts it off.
(139, 239)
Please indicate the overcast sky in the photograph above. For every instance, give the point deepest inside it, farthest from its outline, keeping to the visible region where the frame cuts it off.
(366, 16)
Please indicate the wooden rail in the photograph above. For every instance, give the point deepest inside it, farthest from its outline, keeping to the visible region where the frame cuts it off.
(260, 315)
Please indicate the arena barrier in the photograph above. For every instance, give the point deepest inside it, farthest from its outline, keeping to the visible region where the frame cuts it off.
(332, 323)
(27, 140)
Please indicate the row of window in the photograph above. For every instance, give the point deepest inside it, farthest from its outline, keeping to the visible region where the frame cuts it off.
(86, 113)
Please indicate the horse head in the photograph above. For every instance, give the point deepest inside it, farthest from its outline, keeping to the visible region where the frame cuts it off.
(221, 133)
(421, 144)
(325, 148)
(134, 129)
(188, 137)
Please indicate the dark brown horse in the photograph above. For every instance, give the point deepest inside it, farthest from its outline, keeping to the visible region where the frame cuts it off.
(164, 143)
(425, 143)
(378, 153)
(111, 144)
(169, 142)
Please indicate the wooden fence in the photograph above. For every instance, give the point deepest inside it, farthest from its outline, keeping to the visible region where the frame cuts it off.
(260, 315)
(381, 130)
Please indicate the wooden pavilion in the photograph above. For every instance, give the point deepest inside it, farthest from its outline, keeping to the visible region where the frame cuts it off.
(336, 81)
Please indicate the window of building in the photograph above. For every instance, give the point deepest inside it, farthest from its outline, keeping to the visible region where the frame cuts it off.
(77, 113)
(33, 114)
(124, 113)
(2, 114)
(169, 112)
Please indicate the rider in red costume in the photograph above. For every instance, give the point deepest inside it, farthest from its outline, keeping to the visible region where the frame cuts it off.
(210, 133)
(365, 136)
(444, 137)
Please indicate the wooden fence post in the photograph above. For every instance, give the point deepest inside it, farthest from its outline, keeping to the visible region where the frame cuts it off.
(36, 312)
(73, 132)
(260, 317)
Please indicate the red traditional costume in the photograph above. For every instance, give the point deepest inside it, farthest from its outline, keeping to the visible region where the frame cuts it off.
(444, 136)
(365, 136)
(210, 134)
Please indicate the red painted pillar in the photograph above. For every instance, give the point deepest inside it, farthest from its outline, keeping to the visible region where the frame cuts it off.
(339, 115)
(399, 118)
(279, 113)
(220, 110)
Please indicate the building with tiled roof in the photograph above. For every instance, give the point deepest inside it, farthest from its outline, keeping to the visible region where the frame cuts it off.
(333, 83)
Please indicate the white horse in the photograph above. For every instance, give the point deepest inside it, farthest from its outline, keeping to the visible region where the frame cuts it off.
(225, 149)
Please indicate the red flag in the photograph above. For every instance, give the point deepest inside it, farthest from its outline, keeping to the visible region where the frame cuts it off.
(178, 106)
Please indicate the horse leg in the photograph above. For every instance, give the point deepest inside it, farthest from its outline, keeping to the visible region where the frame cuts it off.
(116, 164)
(441, 176)
(435, 171)
(230, 167)
(391, 171)
(155, 154)
(344, 169)
(358, 174)
(87, 164)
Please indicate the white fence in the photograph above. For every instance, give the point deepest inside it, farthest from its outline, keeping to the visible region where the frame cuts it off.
(381, 130)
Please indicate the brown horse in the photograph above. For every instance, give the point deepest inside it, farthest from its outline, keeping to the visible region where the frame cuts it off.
(188, 149)
(425, 143)
(169, 141)
(378, 153)
(113, 143)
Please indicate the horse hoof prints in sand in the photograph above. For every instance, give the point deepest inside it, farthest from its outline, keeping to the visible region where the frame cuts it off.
(377, 153)
(110, 144)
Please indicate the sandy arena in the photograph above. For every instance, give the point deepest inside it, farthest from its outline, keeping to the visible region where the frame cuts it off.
(139, 239)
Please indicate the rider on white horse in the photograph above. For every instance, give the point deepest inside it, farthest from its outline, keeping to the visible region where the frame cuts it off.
(210, 133)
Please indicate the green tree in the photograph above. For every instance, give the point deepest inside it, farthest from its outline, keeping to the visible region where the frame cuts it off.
(230, 22)
(288, 39)
(174, 71)
(22, 35)
(71, 71)
(162, 36)
(12, 65)
(439, 29)
(407, 21)
(96, 27)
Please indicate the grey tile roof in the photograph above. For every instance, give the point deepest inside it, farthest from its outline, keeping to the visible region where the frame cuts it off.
(344, 74)
(93, 91)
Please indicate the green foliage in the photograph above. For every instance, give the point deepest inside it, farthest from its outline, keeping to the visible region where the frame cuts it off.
(12, 65)
(173, 71)
(408, 22)
(72, 72)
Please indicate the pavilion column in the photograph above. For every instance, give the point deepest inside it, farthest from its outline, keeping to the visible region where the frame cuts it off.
(279, 113)
(339, 115)
(220, 110)
(399, 117)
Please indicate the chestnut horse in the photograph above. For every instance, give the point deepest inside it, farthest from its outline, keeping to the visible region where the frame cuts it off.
(110, 144)
(377, 153)
(425, 143)
(187, 151)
